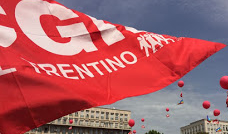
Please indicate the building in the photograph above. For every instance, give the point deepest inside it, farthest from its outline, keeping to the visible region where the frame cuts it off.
(205, 126)
(89, 121)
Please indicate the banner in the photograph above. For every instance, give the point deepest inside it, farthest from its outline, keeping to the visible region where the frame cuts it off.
(56, 61)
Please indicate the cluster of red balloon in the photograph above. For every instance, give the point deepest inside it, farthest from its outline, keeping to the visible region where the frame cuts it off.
(167, 110)
(224, 85)
(181, 84)
(71, 122)
(206, 105)
(142, 121)
(131, 123)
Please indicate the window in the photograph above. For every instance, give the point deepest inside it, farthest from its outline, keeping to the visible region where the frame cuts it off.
(75, 121)
(46, 129)
(59, 121)
(39, 129)
(58, 130)
(91, 131)
(125, 126)
(121, 117)
(92, 123)
(121, 125)
(86, 122)
(63, 130)
(102, 115)
(101, 131)
(81, 122)
(116, 125)
(111, 125)
(106, 124)
(75, 130)
(76, 114)
(112, 116)
(107, 116)
(92, 114)
(97, 123)
(102, 124)
(116, 116)
(96, 131)
(87, 115)
(71, 115)
(97, 114)
(53, 129)
(64, 120)
(82, 114)
(125, 117)
(80, 131)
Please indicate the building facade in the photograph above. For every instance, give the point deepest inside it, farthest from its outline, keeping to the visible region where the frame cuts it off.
(89, 121)
(205, 126)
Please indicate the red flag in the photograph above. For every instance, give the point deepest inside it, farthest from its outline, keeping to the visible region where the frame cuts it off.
(55, 61)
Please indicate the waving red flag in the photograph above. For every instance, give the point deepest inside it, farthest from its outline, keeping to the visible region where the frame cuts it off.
(55, 61)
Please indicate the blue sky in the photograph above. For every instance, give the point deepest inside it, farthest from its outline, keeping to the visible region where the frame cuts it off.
(202, 19)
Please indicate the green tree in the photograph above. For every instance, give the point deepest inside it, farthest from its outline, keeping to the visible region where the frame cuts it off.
(153, 132)
(202, 133)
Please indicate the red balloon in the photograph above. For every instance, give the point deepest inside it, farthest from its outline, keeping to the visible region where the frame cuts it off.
(131, 122)
(70, 121)
(181, 83)
(224, 82)
(206, 104)
(167, 109)
(167, 115)
(134, 131)
(216, 112)
(142, 120)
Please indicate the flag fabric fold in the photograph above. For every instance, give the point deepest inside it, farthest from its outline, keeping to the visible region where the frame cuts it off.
(56, 61)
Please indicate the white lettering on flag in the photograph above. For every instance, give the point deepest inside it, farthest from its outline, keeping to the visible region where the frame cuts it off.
(7, 71)
(31, 20)
(2, 11)
(8, 35)
(109, 32)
